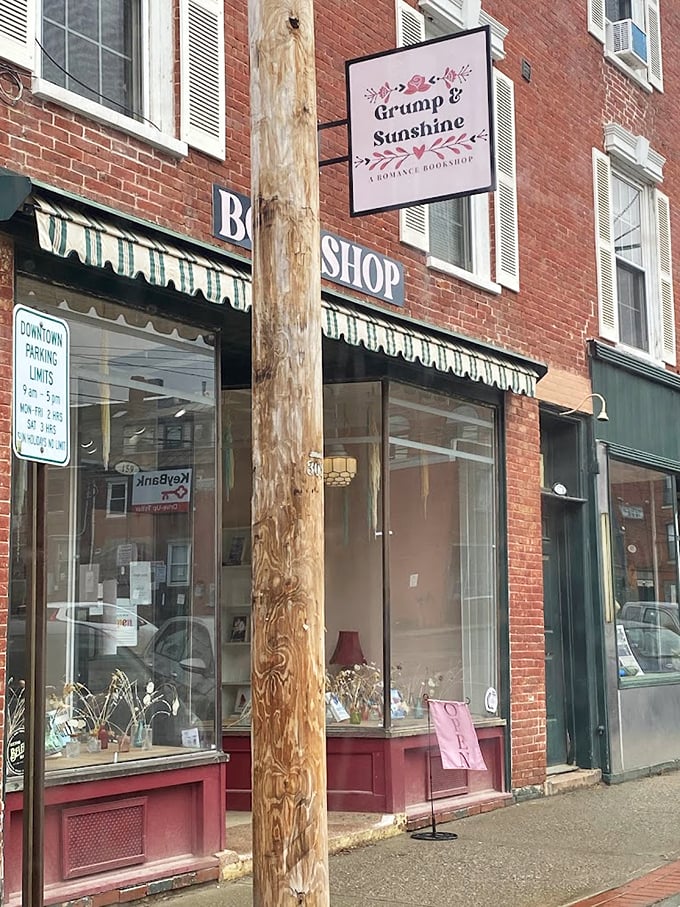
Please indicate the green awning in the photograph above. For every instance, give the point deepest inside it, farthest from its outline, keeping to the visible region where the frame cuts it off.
(445, 353)
(99, 240)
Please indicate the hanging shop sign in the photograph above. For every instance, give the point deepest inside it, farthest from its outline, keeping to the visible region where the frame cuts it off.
(40, 389)
(161, 491)
(420, 124)
(342, 261)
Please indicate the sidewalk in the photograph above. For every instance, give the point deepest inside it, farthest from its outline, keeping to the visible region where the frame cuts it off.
(599, 847)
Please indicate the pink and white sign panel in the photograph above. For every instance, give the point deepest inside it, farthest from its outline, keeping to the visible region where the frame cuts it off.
(419, 122)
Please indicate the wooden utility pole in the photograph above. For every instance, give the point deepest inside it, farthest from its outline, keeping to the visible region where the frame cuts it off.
(290, 836)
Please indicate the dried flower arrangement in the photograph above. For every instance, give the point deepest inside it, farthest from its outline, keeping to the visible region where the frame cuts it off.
(359, 689)
(79, 714)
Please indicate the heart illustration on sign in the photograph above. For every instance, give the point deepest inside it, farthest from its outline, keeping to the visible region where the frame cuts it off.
(419, 151)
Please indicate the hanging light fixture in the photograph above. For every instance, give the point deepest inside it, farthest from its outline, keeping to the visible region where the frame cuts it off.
(338, 468)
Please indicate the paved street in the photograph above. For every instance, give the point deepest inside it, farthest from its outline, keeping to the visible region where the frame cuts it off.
(541, 853)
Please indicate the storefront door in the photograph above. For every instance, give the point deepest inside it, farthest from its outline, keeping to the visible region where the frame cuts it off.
(556, 597)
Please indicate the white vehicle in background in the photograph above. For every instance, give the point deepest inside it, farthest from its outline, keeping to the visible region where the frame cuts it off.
(121, 625)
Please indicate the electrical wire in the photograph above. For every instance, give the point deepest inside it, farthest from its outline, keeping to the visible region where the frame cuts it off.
(7, 74)
(126, 110)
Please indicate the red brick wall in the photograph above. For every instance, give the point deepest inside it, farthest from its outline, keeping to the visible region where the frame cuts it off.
(525, 574)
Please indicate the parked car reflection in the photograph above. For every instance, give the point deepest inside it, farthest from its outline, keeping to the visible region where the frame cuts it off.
(656, 649)
(182, 653)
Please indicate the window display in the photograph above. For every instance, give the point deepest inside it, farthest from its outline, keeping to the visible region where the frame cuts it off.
(131, 575)
(443, 532)
(644, 555)
(442, 600)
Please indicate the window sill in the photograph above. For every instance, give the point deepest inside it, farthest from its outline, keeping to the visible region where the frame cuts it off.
(47, 91)
(632, 74)
(672, 678)
(475, 280)
(136, 762)
(640, 354)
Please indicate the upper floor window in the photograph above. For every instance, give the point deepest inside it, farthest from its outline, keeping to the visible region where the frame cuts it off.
(631, 262)
(114, 61)
(92, 47)
(630, 31)
(634, 264)
(456, 233)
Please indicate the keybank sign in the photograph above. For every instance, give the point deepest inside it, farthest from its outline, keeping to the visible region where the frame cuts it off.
(342, 261)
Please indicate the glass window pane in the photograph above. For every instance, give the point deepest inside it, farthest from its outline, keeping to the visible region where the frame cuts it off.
(55, 10)
(83, 18)
(645, 576)
(116, 20)
(632, 304)
(54, 56)
(116, 81)
(627, 221)
(83, 65)
(99, 46)
(442, 551)
(353, 534)
(236, 552)
(131, 541)
(450, 232)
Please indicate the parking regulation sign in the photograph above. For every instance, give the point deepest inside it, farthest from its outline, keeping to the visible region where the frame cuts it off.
(40, 397)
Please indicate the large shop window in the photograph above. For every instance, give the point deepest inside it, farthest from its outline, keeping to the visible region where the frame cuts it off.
(131, 573)
(442, 551)
(440, 600)
(645, 563)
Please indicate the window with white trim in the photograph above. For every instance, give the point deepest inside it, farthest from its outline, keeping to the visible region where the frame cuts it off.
(114, 62)
(630, 32)
(633, 244)
(116, 498)
(179, 563)
(456, 233)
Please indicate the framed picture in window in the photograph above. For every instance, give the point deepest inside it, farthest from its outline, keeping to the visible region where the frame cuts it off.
(236, 547)
(238, 632)
(242, 701)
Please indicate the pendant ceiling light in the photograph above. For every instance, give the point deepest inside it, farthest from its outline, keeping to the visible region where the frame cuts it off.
(338, 468)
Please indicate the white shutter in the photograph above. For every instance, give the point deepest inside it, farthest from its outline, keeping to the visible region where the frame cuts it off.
(17, 32)
(654, 67)
(604, 245)
(413, 221)
(665, 277)
(596, 19)
(202, 76)
(505, 198)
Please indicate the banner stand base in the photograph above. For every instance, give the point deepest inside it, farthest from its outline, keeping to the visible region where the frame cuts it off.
(432, 834)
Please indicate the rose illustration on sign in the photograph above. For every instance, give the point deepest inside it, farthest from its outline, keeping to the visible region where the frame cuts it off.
(417, 83)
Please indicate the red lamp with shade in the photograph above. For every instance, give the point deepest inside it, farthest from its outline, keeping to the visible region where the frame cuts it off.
(348, 650)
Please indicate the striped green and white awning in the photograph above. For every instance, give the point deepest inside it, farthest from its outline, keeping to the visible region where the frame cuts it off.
(361, 328)
(99, 240)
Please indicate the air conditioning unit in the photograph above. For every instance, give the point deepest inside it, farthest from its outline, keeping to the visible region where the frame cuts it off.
(627, 42)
